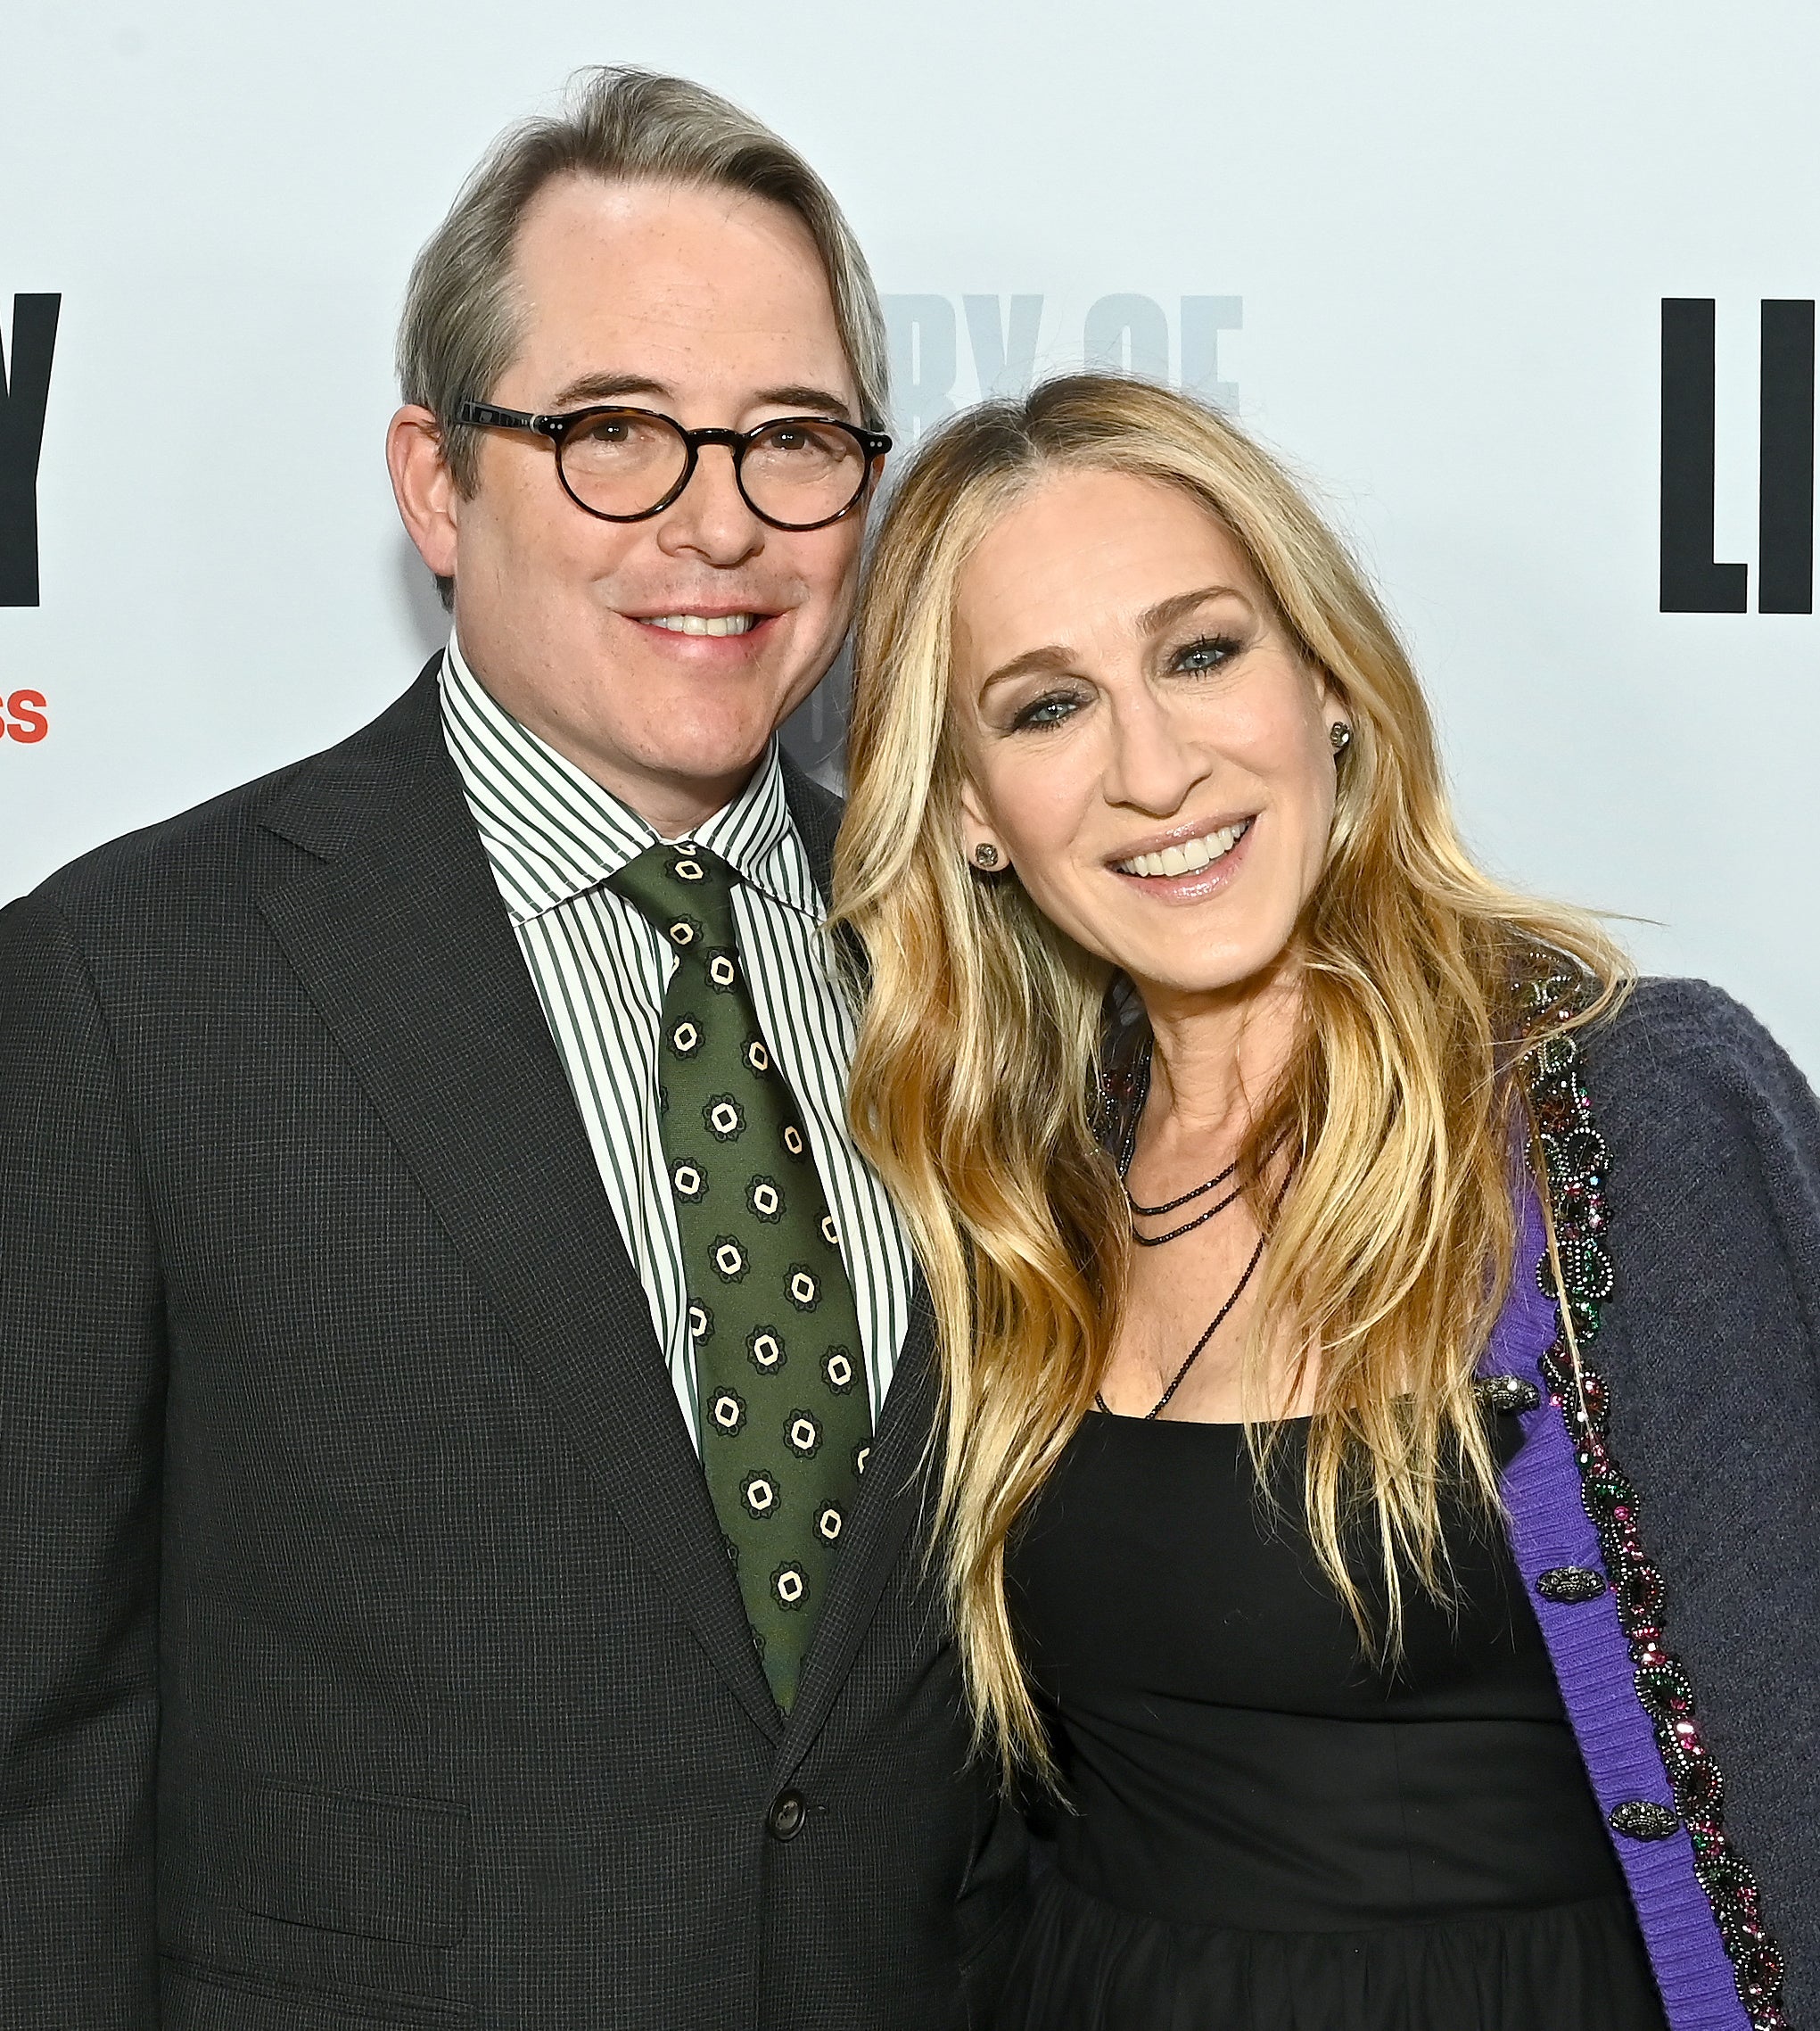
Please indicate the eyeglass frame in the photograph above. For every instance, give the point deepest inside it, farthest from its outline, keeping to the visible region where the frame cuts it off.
(559, 427)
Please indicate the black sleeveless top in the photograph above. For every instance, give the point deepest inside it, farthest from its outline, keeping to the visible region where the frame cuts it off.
(1264, 1829)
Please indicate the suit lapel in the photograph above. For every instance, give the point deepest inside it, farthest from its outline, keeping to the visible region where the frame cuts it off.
(893, 1500)
(397, 932)
(816, 813)
(892, 1504)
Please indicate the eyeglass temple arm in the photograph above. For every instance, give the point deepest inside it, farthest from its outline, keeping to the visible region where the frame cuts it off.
(489, 413)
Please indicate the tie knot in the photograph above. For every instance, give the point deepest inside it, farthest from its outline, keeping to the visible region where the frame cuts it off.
(682, 889)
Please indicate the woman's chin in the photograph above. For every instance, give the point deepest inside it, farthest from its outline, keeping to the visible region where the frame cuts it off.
(1183, 973)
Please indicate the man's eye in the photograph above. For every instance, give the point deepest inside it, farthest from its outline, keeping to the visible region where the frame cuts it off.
(1210, 652)
(1050, 711)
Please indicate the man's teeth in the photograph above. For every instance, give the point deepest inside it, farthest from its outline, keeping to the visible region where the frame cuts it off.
(1190, 856)
(704, 624)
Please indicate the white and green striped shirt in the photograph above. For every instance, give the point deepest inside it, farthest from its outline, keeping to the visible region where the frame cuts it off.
(553, 836)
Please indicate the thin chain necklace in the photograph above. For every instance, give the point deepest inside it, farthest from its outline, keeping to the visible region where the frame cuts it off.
(1171, 1205)
(1194, 1352)
(1140, 1212)
(1187, 1226)
(1219, 1318)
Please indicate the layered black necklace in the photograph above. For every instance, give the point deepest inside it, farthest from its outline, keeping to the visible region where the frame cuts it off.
(1141, 1211)
(1174, 1205)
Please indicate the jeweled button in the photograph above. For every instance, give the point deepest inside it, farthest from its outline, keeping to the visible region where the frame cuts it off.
(787, 1815)
(1568, 1585)
(1642, 1819)
(1507, 1393)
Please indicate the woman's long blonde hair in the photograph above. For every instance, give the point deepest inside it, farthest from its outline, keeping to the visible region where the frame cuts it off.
(973, 1080)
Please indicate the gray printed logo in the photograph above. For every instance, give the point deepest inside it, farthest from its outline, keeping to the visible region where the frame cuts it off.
(1010, 342)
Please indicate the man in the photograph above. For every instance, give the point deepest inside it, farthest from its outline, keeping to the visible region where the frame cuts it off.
(462, 1399)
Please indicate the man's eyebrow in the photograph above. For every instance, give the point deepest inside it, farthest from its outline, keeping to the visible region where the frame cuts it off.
(615, 387)
(804, 399)
(609, 388)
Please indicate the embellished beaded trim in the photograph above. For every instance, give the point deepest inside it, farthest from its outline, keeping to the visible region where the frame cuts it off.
(1575, 1155)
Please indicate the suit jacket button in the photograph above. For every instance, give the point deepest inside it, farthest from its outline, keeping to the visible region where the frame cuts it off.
(787, 1815)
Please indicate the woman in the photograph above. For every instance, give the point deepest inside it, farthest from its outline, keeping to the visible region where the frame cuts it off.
(1354, 1595)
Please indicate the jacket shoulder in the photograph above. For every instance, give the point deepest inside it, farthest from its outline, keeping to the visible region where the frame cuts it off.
(164, 849)
(213, 849)
(1686, 1044)
(1714, 1141)
(816, 813)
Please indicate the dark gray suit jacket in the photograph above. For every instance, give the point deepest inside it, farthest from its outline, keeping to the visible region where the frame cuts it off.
(368, 1655)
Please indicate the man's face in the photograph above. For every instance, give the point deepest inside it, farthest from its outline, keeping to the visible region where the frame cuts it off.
(712, 307)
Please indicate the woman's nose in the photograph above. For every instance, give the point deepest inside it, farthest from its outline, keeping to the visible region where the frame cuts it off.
(1151, 767)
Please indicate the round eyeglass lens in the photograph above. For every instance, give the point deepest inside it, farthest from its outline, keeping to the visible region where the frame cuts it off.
(799, 472)
(621, 463)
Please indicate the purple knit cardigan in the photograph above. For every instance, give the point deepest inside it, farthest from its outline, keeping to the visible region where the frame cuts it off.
(1551, 1530)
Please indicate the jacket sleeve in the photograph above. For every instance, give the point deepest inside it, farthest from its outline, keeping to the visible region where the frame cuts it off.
(1712, 1344)
(81, 1407)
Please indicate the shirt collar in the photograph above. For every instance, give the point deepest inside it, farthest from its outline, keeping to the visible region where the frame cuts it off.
(552, 833)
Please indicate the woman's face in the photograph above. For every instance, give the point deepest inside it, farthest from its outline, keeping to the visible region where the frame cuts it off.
(1142, 743)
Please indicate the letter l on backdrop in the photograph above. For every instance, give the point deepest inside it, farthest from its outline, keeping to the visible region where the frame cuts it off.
(25, 388)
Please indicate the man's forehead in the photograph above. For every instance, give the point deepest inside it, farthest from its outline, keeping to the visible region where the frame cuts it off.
(686, 291)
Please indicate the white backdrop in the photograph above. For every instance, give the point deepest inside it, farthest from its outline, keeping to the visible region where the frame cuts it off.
(1425, 249)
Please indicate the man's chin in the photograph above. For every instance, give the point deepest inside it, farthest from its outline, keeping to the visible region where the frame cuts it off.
(714, 752)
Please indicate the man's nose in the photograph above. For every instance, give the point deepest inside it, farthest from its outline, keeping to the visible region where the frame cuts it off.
(710, 517)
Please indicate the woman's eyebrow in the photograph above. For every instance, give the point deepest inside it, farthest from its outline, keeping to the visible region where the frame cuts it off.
(1179, 605)
(1033, 661)
(1153, 620)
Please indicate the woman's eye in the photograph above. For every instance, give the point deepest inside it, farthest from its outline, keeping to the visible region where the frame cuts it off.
(1210, 652)
(1050, 711)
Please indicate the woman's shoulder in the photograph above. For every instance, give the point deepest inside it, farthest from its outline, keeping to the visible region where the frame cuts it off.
(1680, 1056)
(1667, 1016)
(1712, 1136)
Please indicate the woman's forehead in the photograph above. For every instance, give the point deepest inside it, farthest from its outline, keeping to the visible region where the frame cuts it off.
(1089, 551)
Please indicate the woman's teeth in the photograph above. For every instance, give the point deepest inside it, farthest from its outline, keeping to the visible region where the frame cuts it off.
(1190, 856)
(704, 624)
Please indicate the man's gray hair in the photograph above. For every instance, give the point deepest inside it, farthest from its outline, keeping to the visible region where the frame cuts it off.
(460, 328)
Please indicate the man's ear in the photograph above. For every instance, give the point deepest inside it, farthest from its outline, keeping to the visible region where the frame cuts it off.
(428, 500)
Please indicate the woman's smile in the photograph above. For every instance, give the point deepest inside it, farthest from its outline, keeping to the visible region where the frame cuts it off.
(1187, 868)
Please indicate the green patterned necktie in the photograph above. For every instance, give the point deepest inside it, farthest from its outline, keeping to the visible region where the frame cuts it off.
(781, 1401)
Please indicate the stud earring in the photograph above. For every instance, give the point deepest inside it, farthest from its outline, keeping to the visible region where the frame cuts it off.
(985, 854)
(1341, 735)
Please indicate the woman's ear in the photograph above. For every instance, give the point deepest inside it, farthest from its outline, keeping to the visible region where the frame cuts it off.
(1334, 713)
(984, 847)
